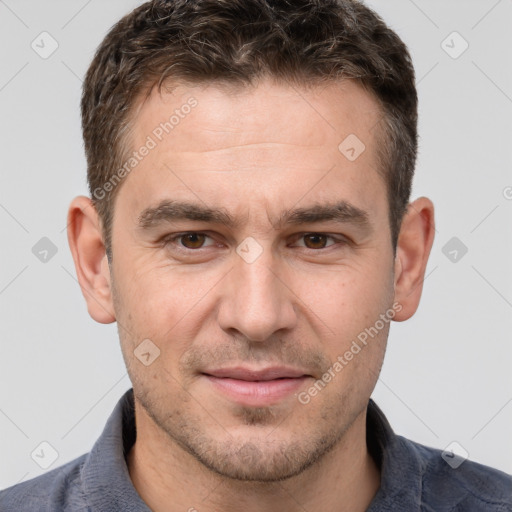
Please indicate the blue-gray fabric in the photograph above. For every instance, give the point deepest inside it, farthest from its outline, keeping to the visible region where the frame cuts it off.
(414, 477)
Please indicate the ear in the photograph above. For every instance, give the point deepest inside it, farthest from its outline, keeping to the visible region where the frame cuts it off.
(413, 249)
(91, 264)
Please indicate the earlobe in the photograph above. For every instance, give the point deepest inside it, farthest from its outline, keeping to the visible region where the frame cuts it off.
(413, 249)
(88, 250)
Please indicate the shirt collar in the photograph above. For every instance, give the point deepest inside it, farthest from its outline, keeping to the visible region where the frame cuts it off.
(106, 479)
(401, 468)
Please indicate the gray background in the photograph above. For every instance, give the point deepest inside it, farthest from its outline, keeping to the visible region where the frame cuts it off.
(447, 373)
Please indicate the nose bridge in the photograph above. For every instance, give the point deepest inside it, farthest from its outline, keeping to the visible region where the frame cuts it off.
(257, 303)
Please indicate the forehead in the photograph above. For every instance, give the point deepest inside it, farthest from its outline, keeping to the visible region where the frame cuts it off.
(256, 143)
(281, 112)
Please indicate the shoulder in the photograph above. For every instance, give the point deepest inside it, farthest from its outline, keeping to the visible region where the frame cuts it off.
(57, 490)
(464, 484)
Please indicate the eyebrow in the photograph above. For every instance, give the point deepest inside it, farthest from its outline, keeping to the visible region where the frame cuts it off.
(172, 211)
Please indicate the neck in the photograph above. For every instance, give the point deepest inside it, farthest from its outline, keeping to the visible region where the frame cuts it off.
(169, 479)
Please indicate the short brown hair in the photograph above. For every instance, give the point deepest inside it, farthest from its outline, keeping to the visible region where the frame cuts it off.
(304, 42)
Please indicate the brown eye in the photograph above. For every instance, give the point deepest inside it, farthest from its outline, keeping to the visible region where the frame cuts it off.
(193, 240)
(315, 241)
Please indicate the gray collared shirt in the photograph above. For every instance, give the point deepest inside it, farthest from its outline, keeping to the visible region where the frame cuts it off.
(413, 477)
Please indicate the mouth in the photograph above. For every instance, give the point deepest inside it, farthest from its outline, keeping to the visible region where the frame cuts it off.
(251, 387)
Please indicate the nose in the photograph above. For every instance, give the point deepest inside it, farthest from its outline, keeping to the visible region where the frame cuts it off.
(257, 301)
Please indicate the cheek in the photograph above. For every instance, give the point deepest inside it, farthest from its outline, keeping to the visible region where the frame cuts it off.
(349, 298)
(162, 302)
(351, 307)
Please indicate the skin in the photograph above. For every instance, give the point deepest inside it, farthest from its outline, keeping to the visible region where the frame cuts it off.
(256, 153)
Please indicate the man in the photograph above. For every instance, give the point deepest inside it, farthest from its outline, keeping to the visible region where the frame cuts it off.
(249, 230)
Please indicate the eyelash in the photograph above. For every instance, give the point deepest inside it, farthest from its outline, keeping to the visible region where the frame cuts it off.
(171, 239)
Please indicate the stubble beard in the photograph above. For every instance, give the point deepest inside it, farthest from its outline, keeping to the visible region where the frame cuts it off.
(257, 457)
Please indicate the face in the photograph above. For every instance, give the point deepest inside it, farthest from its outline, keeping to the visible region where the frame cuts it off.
(255, 255)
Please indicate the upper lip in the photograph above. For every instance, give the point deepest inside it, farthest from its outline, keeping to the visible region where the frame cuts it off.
(270, 373)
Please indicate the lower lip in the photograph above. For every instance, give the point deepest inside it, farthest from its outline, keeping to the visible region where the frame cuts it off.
(257, 393)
